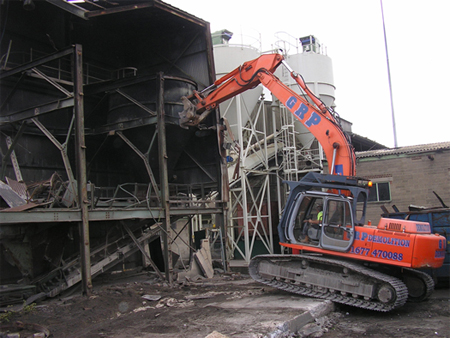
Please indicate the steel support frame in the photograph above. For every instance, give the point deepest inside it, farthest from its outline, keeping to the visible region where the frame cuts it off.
(76, 101)
(63, 150)
(69, 101)
(144, 158)
(245, 195)
(288, 168)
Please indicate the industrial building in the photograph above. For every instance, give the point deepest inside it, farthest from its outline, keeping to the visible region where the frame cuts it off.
(405, 177)
(95, 165)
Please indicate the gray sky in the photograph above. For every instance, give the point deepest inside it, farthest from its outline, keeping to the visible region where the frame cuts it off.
(352, 31)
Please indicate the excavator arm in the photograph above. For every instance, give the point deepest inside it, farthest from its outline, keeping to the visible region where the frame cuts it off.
(316, 117)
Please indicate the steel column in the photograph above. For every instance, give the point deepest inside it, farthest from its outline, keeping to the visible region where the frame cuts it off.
(80, 150)
(164, 178)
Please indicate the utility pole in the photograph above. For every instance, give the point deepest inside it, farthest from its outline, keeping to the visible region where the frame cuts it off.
(389, 77)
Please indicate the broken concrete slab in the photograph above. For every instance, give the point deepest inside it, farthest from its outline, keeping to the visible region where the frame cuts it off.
(118, 310)
(194, 273)
(278, 302)
(278, 314)
(201, 264)
(204, 260)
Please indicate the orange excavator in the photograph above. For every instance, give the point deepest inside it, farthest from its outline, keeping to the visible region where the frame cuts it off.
(333, 254)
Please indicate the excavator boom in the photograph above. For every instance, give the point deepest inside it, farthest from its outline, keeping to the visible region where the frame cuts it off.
(316, 117)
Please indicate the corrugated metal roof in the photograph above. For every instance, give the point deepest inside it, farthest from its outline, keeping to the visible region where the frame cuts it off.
(362, 143)
(404, 150)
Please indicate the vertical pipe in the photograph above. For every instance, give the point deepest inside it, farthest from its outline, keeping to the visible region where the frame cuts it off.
(191, 241)
(164, 178)
(80, 149)
(389, 77)
(222, 219)
(331, 170)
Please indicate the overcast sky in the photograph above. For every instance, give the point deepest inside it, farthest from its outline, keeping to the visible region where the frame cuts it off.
(352, 31)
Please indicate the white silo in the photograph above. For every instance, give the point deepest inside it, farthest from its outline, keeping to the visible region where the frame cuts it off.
(317, 71)
(228, 57)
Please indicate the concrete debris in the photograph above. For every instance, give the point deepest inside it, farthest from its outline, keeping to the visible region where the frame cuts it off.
(39, 335)
(201, 266)
(216, 334)
(172, 302)
(152, 297)
(204, 260)
(142, 308)
(206, 295)
(26, 330)
(316, 328)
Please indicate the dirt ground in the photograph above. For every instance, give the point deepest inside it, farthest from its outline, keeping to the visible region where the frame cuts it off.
(143, 306)
(430, 318)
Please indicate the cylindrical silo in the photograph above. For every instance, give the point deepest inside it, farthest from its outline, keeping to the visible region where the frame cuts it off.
(317, 71)
(228, 57)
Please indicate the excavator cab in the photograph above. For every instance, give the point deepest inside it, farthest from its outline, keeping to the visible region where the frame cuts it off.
(343, 206)
(321, 219)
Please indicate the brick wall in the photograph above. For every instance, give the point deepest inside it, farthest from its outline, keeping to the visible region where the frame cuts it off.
(413, 178)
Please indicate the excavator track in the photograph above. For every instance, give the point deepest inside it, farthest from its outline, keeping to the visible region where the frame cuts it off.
(420, 284)
(339, 281)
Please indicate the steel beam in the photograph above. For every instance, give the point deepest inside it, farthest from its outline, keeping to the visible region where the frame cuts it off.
(119, 9)
(136, 102)
(133, 237)
(36, 216)
(146, 163)
(124, 125)
(70, 7)
(37, 111)
(36, 63)
(51, 81)
(187, 152)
